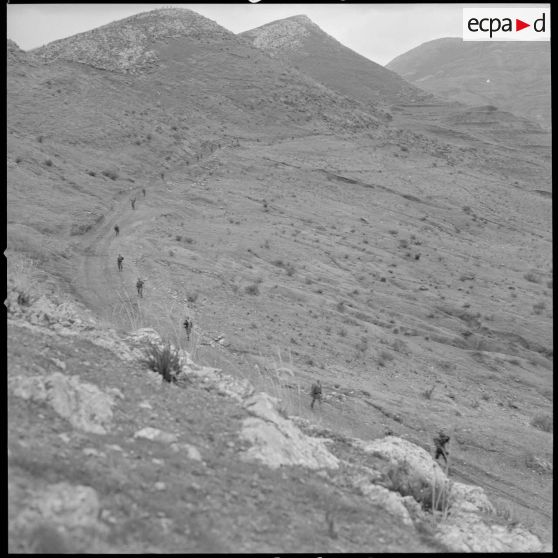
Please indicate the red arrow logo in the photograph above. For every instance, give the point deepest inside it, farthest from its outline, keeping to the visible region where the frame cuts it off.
(519, 25)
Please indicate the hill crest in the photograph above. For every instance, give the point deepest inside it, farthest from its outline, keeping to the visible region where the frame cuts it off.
(128, 44)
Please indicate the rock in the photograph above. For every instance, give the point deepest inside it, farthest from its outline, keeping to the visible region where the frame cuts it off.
(93, 452)
(222, 383)
(191, 451)
(145, 405)
(156, 435)
(276, 441)
(58, 363)
(115, 392)
(114, 447)
(83, 404)
(413, 470)
(64, 437)
(160, 486)
(469, 498)
(65, 504)
(467, 532)
(386, 499)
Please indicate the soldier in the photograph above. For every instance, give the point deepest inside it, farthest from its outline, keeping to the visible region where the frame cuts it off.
(316, 393)
(143, 192)
(188, 325)
(139, 287)
(133, 202)
(440, 444)
(117, 230)
(119, 261)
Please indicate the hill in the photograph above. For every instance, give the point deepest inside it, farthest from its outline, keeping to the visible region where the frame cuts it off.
(300, 42)
(307, 238)
(513, 76)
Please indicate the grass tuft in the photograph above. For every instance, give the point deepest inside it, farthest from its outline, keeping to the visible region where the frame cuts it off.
(164, 360)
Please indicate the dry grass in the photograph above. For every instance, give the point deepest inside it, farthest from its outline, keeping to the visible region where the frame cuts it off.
(164, 360)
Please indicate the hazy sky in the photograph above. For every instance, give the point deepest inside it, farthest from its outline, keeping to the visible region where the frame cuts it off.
(378, 31)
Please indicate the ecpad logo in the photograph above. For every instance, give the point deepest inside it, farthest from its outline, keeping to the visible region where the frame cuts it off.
(506, 24)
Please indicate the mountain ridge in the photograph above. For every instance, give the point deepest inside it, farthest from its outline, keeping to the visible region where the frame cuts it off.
(513, 76)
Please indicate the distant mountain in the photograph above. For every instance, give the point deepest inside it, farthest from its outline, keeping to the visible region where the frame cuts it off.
(301, 43)
(513, 76)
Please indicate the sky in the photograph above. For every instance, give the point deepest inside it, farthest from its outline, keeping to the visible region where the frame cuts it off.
(380, 32)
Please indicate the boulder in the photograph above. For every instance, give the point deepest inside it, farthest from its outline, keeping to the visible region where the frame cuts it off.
(83, 404)
(412, 472)
(156, 435)
(72, 506)
(467, 532)
(276, 441)
(465, 497)
(392, 502)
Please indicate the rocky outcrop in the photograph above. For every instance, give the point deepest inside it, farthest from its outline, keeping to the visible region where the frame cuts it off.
(128, 45)
(156, 435)
(83, 404)
(412, 471)
(468, 532)
(71, 506)
(276, 441)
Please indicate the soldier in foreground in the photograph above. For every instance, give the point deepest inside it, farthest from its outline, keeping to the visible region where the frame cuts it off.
(117, 230)
(316, 393)
(440, 443)
(119, 261)
(139, 287)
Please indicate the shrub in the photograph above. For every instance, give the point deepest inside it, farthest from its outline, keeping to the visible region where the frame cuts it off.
(18, 160)
(40, 139)
(531, 277)
(340, 306)
(539, 307)
(343, 332)
(252, 290)
(113, 175)
(543, 422)
(91, 173)
(192, 297)
(164, 360)
(427, 393)
(48, 162)
(289, 268)
(403, 243)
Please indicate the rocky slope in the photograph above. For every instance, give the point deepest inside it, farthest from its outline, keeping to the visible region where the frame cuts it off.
(408, 269)
(172, 486)
(298, 41)
(513, 76)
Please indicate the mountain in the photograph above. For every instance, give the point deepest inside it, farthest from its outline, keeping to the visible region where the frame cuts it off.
(300, 42)
(513, 76)
(405, 263)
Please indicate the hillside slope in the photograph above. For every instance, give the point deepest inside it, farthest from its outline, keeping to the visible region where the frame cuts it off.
(513, 76)
(302, 234)
(301, 43)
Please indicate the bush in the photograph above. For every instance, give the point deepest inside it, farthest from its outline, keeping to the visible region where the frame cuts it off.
(543, 422)
(113, 175)
(427, 393)
(192, 297)
(252, 290)
(539, 307)
(163, 360)
(48, 162)
(531, 277)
